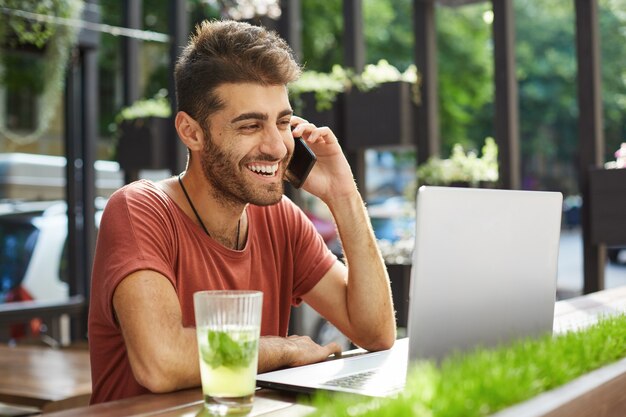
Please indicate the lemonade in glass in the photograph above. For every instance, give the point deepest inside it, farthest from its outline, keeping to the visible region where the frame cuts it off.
(228, 347)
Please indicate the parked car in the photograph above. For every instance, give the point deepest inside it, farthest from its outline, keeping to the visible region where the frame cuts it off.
(31, 246)
(33, 256)
(33, 250)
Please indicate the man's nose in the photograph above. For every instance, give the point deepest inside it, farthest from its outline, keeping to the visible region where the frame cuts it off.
(274, 143)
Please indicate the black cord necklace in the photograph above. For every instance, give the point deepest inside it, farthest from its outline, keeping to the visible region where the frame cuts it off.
(180, 181)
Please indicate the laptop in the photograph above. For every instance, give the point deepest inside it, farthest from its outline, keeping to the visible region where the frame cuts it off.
(483, 272)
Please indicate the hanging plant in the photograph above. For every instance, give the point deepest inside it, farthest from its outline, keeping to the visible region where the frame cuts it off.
(20, 26)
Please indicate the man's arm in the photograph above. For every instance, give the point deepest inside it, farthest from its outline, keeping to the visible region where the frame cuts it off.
(356, 299)
(164, 355)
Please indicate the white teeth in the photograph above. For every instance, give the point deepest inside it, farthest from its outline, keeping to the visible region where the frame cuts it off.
(264, 169)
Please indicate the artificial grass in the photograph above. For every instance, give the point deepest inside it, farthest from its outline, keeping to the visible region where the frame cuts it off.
(485, 381)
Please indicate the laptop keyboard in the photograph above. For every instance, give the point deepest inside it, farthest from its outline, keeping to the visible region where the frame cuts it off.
(354, 381)
(367, 382)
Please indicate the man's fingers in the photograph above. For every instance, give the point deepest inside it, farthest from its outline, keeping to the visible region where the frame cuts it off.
(333, 348)
(296, 120)
(303, 129)
(321, 134)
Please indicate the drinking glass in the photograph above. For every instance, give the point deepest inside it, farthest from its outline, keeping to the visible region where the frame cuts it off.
(228, 325)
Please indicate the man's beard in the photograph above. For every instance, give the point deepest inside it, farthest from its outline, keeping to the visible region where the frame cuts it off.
(220, 169)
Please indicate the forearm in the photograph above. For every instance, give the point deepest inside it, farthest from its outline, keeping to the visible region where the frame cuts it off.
(368, 294)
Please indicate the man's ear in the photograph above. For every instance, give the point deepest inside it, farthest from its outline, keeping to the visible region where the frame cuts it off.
(189, 131)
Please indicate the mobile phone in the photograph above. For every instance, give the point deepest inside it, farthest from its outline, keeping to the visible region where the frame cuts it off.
(300, 164)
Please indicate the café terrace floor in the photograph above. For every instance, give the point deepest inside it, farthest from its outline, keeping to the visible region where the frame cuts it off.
(570, 274)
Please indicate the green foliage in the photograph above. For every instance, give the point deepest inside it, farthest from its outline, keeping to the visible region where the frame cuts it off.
(613, 51)
(28, 32)
(158, 106)
(546, 63)
(387, 29)
(388, 32)
(22, 72)
(322, 31)
(485, 381)
(461, 167)
(465, 71)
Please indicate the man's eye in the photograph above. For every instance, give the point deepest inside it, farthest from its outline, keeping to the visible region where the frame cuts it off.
(250, 127)
(284, 124)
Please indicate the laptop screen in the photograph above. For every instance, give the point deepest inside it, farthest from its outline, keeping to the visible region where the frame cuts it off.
(484, 268)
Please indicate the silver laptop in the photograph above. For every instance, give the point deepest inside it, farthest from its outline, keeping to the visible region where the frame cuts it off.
(484, 273)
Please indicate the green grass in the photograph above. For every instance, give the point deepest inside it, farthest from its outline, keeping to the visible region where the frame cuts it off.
(488, 380)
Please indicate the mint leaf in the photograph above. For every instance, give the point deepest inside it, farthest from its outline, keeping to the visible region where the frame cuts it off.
(224, 351)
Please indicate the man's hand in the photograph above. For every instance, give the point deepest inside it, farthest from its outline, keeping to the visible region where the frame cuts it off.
(331, 176)
(278, 352)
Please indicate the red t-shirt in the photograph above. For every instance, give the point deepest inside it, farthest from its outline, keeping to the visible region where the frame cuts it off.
(143, 228)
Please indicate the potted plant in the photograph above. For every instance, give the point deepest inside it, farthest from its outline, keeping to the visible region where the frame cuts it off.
(380, 110)
(143, 134)
(462, 168)
(370, 109)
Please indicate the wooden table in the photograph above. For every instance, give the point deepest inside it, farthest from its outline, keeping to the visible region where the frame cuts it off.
(187, 403)
(572, 313)
(579, 312)
(40, 376)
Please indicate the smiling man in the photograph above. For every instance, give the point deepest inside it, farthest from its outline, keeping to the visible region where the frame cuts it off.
(224, 223)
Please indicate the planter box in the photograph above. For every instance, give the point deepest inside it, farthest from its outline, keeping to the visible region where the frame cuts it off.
(380, 117)
(607, 206)
(331, 117)
(598, 393)
(143, 144)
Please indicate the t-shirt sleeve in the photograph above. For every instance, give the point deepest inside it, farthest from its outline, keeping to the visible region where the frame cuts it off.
(134, 235)
(312, 258)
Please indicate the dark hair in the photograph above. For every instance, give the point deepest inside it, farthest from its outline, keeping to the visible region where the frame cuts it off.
(229, 52)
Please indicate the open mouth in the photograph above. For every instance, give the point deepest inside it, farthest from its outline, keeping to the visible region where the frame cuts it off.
(265, 170)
